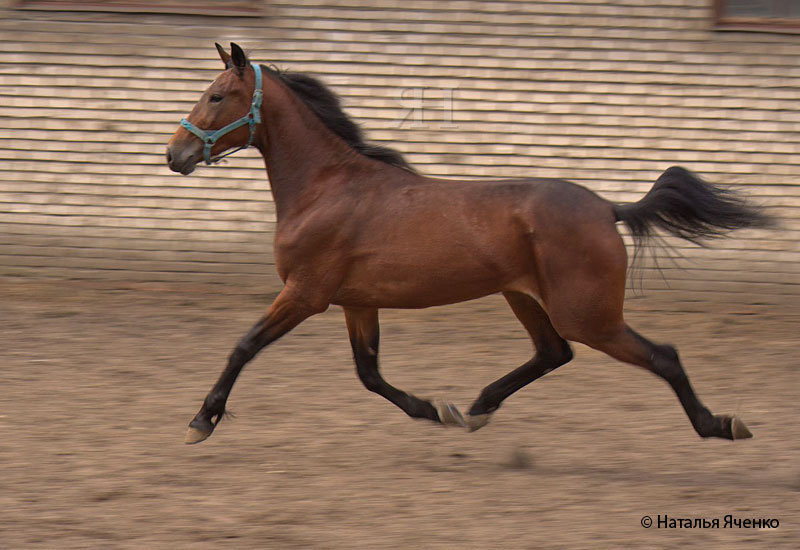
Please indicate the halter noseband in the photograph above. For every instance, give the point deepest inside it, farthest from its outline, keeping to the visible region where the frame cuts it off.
(252, 118)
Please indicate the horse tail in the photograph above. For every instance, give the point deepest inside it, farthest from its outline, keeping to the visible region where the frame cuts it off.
(684, 205)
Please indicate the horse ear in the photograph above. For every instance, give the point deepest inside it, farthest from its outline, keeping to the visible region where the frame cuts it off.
(225, 56)
(239, 58)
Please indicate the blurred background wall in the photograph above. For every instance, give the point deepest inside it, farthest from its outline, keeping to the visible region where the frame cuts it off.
(607, 93)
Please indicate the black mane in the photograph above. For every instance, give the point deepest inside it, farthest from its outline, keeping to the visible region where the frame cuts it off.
(326, 105)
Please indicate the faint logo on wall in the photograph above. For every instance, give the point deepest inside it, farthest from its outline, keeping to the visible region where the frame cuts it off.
(427, 108)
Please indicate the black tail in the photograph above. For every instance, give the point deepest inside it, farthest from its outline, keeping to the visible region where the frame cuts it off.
(684, 205)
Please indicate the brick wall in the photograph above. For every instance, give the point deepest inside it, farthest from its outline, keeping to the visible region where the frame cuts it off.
(605, 93)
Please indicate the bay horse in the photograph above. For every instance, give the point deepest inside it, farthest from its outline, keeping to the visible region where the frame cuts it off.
(359, 228)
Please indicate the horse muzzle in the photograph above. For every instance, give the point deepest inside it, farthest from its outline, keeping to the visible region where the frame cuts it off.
(183, 159)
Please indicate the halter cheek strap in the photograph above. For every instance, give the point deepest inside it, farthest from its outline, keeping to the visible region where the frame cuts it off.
(253, 117)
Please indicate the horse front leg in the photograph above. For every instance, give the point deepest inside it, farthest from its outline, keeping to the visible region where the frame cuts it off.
(362, 326)
(288, 310)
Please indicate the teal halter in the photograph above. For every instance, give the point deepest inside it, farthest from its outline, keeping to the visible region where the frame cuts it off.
(252, 118)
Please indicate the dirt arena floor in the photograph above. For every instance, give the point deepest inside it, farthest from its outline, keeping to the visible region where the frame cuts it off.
(98, 386)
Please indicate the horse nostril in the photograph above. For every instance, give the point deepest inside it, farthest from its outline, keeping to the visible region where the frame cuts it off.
(169, 156)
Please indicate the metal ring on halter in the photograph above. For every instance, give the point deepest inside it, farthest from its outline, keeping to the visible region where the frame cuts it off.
(253, 117)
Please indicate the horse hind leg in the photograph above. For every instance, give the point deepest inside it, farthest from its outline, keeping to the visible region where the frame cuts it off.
(552, 351)
(628, 346)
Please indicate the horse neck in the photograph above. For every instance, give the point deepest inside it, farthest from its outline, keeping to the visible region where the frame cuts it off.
(297, 148)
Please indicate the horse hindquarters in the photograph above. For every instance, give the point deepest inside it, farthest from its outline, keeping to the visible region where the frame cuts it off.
(583, 280)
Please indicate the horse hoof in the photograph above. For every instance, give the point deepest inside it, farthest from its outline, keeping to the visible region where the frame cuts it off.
(196, 435)
(477, 421)
(739, 429)
(449, 415)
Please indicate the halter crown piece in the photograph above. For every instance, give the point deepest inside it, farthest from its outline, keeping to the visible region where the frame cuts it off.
(252, 118)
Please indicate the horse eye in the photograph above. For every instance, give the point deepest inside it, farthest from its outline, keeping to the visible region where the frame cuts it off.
(216, 98)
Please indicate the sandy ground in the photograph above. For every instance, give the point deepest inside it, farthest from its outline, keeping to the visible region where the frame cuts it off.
(98, 386)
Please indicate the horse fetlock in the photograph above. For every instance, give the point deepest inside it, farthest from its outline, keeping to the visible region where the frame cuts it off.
(482, 406)
(708, 425)
(722, 426)
(214, 405)
(415, 407)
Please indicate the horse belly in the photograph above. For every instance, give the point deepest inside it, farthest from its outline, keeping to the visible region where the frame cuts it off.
(418, 280)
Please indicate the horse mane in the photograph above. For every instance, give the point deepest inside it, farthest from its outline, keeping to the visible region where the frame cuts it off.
(326, 105)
